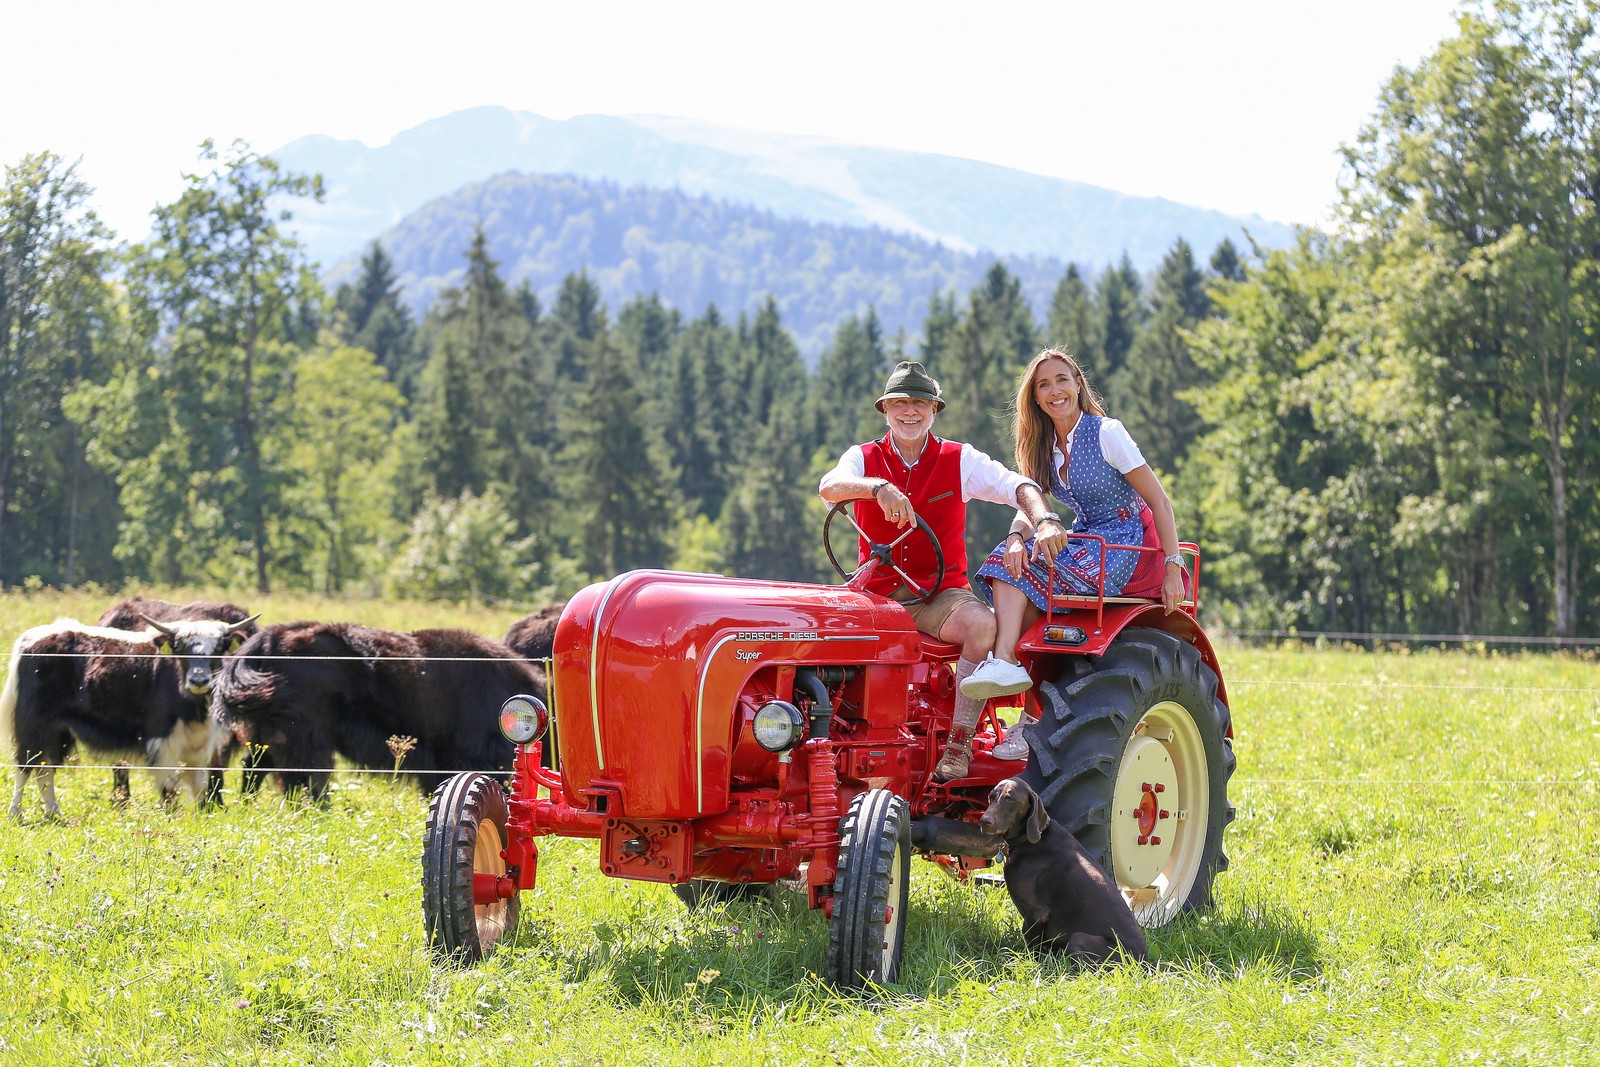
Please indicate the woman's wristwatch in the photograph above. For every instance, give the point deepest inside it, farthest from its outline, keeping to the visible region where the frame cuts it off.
(1176, 557)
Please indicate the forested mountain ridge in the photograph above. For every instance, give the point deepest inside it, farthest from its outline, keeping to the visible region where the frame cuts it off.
(1388, 427)
(692, 251)
(962, 203)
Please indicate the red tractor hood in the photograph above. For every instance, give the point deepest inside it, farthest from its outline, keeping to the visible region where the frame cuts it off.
(649, 667)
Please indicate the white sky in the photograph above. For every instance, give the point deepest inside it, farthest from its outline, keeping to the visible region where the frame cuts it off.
(1232, 104)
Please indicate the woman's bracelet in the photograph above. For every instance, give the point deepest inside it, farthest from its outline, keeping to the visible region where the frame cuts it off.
(1017, 535)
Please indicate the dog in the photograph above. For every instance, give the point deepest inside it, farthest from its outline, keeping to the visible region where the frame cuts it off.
(1068, 904)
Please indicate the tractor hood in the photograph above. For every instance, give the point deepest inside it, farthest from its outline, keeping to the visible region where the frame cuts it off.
(649, 667)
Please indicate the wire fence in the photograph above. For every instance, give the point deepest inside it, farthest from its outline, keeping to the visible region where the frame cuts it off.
(403, 772)
(1403, 638)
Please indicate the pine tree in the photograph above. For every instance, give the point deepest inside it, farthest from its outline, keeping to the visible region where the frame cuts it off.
(699, 438)
(1225, 262)
(1117, 297)
(1159, 370)
(849, 374)
(484, 410)
(993, 342)
(1073, 321)
(618, 512)
(373, 317)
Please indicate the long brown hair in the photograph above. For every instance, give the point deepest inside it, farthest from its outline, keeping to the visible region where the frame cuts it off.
(1031, 427)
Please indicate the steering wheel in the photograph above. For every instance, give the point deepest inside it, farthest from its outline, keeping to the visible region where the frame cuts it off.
(884, 552)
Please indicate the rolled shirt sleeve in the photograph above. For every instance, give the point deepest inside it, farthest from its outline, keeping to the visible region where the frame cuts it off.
(986, 478)
(853, 464)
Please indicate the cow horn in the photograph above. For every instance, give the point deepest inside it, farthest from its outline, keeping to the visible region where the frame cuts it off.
(235, 627)
(170, 633)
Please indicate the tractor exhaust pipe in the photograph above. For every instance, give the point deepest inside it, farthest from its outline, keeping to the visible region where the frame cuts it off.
(952, 837)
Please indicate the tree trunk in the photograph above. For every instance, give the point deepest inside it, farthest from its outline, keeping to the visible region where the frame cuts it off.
(252, 449)
(1566, 605)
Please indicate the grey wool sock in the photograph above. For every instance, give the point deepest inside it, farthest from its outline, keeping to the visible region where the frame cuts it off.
(967, 709)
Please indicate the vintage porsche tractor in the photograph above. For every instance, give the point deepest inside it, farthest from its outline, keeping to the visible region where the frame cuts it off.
(721, 734)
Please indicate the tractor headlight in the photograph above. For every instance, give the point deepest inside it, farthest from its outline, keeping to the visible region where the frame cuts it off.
(523, 719)
(779, 726)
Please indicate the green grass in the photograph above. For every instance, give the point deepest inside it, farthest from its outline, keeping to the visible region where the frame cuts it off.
(1414, 879)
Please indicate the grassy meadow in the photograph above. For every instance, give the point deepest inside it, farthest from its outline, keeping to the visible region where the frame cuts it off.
(1414, 880)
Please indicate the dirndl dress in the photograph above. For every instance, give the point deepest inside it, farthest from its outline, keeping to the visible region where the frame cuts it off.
(1104, 503)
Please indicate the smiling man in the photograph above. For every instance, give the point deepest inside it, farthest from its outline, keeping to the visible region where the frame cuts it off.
(909, 473)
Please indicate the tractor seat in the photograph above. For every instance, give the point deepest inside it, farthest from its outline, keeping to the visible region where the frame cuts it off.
(933, 648)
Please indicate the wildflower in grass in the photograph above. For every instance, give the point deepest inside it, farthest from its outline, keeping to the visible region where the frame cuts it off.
(399, 746)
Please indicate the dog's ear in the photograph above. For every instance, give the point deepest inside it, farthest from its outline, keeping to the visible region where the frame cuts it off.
(1038, 816)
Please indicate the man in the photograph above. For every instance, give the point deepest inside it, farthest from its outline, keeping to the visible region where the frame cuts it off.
(910, 473)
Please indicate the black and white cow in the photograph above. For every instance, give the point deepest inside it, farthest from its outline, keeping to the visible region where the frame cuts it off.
(115, 691)
(308, 690)
(137, 613)
(534, 636)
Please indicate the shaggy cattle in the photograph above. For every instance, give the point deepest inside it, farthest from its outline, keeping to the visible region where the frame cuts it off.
(534, 636)
(135, 613)
(138, 612)
(310, 690)
(115, 691)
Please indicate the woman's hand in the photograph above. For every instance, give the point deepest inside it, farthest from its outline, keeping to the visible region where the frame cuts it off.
(1172, 588)
(1016, 556)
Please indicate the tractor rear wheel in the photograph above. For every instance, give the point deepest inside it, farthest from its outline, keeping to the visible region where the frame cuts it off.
(1132, 755)
(870, 891)
(465, 835)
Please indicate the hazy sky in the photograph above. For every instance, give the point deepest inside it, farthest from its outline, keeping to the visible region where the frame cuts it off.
(1233, 104)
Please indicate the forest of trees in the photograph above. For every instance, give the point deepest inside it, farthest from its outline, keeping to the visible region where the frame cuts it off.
(1388, 427)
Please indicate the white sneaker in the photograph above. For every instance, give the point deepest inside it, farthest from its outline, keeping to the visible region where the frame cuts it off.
(995, 678)
(1015, 746)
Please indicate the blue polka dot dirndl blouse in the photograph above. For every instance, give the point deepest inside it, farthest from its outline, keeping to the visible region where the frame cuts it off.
(1104, 503)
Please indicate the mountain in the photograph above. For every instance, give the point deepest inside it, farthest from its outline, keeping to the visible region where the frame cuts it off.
(961, 203)
(691, 250)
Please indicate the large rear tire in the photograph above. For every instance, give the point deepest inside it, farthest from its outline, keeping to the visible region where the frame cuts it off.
(867, 934)
(465, 835)
(1132, 755)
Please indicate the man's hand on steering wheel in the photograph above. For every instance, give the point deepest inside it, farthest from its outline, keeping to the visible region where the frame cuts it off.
(896, 505)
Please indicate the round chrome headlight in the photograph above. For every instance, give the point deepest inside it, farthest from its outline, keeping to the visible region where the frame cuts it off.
(779, 726)
(523, 719)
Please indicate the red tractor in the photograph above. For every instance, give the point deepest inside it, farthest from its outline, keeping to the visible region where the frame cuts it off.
(720, 734)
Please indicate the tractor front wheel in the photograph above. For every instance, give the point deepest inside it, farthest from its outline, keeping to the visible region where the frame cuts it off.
(870, 892)
(465, 835)
(1132, 755)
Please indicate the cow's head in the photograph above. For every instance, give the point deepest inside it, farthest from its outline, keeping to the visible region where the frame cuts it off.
(200, 647)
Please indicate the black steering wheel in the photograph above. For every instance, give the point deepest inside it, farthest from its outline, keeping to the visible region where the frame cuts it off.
(884, 553)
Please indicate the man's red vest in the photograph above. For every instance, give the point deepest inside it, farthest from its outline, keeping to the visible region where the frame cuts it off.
(934, 486)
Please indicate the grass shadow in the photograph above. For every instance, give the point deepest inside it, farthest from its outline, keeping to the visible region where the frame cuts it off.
(1236, 937)
(734, 960)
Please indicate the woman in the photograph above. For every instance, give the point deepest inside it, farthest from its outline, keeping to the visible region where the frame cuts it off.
(1065, 441)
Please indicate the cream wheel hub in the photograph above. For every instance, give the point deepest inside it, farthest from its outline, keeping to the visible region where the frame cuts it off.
(1144, 813)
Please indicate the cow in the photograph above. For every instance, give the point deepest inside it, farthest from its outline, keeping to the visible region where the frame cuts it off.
(115, 691)
(310, 690)
(534, 636)
(138, 612)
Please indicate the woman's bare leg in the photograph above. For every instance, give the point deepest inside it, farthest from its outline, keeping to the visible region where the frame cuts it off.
(1013, 613)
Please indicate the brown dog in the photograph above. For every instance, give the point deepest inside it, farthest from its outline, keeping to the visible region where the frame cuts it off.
(1068, 904)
